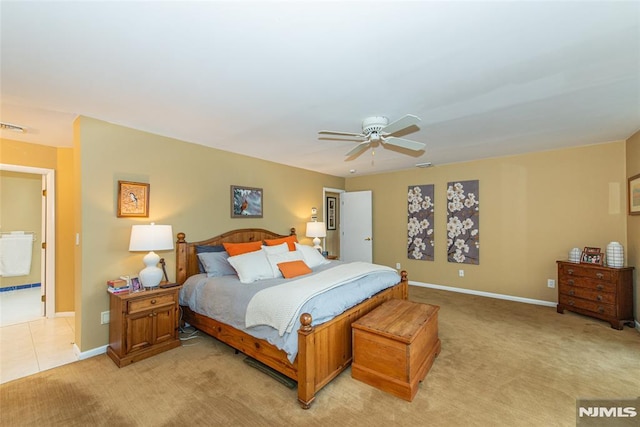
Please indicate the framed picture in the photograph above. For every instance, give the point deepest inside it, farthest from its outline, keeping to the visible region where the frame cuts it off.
(246, 202)
(331, 213)
(592, 256)
(634, 195)
(136, 286)
(133, 199)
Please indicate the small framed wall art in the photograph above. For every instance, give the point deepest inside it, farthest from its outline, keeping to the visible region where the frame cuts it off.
(634, 195)
(331, 213)
(246, 202)
(133, 199)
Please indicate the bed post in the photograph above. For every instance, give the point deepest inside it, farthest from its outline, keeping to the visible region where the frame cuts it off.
(306, 362)
(181, 259)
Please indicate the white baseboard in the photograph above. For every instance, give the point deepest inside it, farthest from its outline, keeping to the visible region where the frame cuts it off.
(91, 353)
(637, 325)
(485, 294)
(65, 313)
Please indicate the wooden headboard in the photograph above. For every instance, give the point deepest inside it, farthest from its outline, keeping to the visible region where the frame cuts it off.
(187, 259)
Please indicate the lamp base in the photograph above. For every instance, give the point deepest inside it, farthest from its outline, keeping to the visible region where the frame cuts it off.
(316, 244)
(151, 276)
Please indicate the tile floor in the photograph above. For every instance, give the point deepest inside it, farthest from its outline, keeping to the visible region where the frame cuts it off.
(30, 343)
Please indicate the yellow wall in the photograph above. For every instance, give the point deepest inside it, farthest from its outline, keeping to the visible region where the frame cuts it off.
(533, 209)
(41, 156)
(632, 249)
(190, 190)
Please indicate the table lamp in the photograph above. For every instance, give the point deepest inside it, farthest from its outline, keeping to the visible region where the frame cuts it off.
(151, 238)
(316, 230)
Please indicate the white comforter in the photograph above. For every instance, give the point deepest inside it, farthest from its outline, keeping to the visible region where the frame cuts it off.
(292, 295)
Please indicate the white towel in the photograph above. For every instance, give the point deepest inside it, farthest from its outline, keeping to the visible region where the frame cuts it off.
(15, 254)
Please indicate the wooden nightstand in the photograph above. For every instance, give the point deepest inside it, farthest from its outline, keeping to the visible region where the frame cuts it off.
(142, 324)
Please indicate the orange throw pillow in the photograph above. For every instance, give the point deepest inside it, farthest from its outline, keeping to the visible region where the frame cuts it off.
(234, 249)
(290, 240)
(292, 269)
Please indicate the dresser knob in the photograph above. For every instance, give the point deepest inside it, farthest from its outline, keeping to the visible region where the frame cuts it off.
(569, 271)
(153, 301)
(599, 298)
(572, 303)
(600, 309)
(571, 282)
(599, 275)
(600, 287)
(572, 292)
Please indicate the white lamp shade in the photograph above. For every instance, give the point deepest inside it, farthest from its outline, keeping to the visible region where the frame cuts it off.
(316, 229)
(151, 238)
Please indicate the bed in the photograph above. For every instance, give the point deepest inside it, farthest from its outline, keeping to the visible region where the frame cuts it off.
(323, 350)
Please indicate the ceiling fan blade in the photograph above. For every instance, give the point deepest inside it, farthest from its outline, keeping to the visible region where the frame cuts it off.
(358, 149)
(404, 143)
(329, 132)
(400, 124)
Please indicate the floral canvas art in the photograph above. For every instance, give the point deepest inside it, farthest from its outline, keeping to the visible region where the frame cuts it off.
(420, 222)
(463, 222)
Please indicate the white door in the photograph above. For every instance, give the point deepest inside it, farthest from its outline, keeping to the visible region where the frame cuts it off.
(356, 225)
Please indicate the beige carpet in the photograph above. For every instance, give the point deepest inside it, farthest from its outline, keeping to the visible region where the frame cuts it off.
(502, 364)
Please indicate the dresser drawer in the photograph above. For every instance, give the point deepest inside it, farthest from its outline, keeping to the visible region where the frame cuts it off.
(600, 308)
(578, 270)
(585, 282)
(589, 294)
(155, 301)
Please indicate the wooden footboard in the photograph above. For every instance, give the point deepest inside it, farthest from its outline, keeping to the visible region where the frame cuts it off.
(324, 351)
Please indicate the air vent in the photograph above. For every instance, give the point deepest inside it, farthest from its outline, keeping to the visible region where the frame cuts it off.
(424, 165)
(9, 126)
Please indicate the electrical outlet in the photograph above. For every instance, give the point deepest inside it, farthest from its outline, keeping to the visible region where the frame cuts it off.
(551, 283)
(398, 266)
(461, 273)
(104, 317)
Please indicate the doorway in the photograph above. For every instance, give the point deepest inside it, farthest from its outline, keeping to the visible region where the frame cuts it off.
(44, 233)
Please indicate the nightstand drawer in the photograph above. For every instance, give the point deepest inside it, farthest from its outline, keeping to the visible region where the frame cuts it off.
(149, 303)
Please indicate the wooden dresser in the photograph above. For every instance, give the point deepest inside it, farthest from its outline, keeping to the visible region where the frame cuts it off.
(602, 292)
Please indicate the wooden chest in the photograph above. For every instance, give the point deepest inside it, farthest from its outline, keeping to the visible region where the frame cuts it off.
(593, 290)
(395, 345)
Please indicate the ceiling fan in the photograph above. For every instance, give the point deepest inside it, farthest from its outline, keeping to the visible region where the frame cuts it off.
(378, 129)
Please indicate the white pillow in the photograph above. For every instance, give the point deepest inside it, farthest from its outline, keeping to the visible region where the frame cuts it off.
(277, 249)
(275, 259)
(311, 256)
(252, 266)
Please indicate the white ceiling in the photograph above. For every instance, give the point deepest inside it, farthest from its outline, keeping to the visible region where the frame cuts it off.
(262, 78)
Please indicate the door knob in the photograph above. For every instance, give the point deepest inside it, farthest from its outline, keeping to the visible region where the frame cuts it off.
(368, 239)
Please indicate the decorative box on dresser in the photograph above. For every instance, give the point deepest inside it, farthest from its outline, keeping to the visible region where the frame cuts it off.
(602, 292)
(142, 324)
